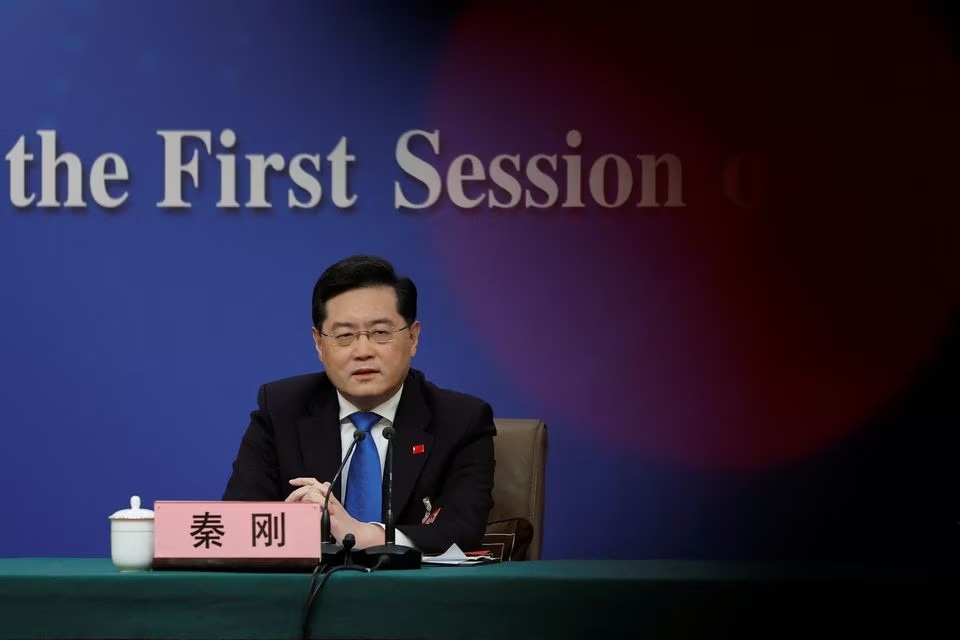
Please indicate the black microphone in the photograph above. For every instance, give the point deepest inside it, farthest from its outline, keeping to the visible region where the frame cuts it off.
(391, 555)
(331, 552)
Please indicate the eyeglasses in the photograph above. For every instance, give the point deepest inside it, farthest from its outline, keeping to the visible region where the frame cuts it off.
(380, 336)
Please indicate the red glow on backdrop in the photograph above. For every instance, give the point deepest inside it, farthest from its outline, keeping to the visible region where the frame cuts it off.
(713, 334)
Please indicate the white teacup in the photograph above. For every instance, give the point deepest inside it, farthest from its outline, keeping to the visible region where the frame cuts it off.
(131, 537)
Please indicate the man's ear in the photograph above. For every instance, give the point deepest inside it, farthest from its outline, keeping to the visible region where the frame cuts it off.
(316, 343)
(414, 337)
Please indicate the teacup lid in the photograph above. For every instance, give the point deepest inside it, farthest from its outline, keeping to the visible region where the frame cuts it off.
(134, 512)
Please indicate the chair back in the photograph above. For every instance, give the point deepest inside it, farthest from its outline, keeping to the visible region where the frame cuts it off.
(520, 447)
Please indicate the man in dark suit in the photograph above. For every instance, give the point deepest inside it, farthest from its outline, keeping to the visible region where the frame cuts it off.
(366, 333)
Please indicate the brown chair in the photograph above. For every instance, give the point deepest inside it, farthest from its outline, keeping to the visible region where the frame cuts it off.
(518, 492)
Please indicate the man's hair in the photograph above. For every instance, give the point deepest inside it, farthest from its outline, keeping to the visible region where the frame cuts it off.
(357, 272)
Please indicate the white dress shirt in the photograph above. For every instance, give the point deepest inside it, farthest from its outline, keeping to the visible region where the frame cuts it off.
(387, 411)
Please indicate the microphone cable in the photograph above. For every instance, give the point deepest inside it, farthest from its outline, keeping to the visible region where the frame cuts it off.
(382, 561)
(315, 593)
(319, 579)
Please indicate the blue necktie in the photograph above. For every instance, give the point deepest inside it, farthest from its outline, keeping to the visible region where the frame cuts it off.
(364, 481)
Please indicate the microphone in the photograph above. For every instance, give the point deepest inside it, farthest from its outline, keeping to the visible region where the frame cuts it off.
(391, 555)
(331, 552)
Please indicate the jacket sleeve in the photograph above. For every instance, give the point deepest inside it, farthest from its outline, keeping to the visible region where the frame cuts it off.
(255, 470)
(466, 493)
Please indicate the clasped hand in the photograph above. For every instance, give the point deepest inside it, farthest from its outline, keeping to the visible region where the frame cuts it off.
(341, 522)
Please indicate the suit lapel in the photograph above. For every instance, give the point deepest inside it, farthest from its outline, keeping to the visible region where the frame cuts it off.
(319, 433)
(410, 423)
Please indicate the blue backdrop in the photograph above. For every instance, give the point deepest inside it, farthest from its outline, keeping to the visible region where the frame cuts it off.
(722, 265)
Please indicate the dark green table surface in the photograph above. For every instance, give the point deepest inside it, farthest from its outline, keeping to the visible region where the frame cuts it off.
(88, 598)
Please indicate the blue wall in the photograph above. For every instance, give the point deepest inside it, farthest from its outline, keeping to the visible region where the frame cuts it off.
(761, 363)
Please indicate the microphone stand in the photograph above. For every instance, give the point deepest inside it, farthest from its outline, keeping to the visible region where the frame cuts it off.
(331, 553)
(391, 555)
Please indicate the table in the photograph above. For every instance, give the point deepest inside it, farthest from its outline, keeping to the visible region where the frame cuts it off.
(84, 598)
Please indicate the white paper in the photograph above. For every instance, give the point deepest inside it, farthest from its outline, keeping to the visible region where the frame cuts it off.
(454, 556)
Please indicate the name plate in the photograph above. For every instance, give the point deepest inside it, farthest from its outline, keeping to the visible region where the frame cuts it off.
(236, 535)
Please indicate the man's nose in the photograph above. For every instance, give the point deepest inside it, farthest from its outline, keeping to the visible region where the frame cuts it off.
(363, 346)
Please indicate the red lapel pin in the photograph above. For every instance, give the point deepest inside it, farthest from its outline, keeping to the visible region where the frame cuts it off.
(418, 449)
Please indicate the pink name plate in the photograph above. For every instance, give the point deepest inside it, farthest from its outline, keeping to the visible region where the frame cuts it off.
(236, 535)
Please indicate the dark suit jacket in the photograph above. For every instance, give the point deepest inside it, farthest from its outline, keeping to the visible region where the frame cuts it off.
(295, 432)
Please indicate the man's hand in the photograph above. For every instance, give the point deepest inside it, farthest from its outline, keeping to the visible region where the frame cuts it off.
(310, 490)
(341, 522)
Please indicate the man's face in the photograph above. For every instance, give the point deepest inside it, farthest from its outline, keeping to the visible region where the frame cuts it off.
(365, 372)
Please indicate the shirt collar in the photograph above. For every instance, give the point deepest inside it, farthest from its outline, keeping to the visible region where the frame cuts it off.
(387, 410)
